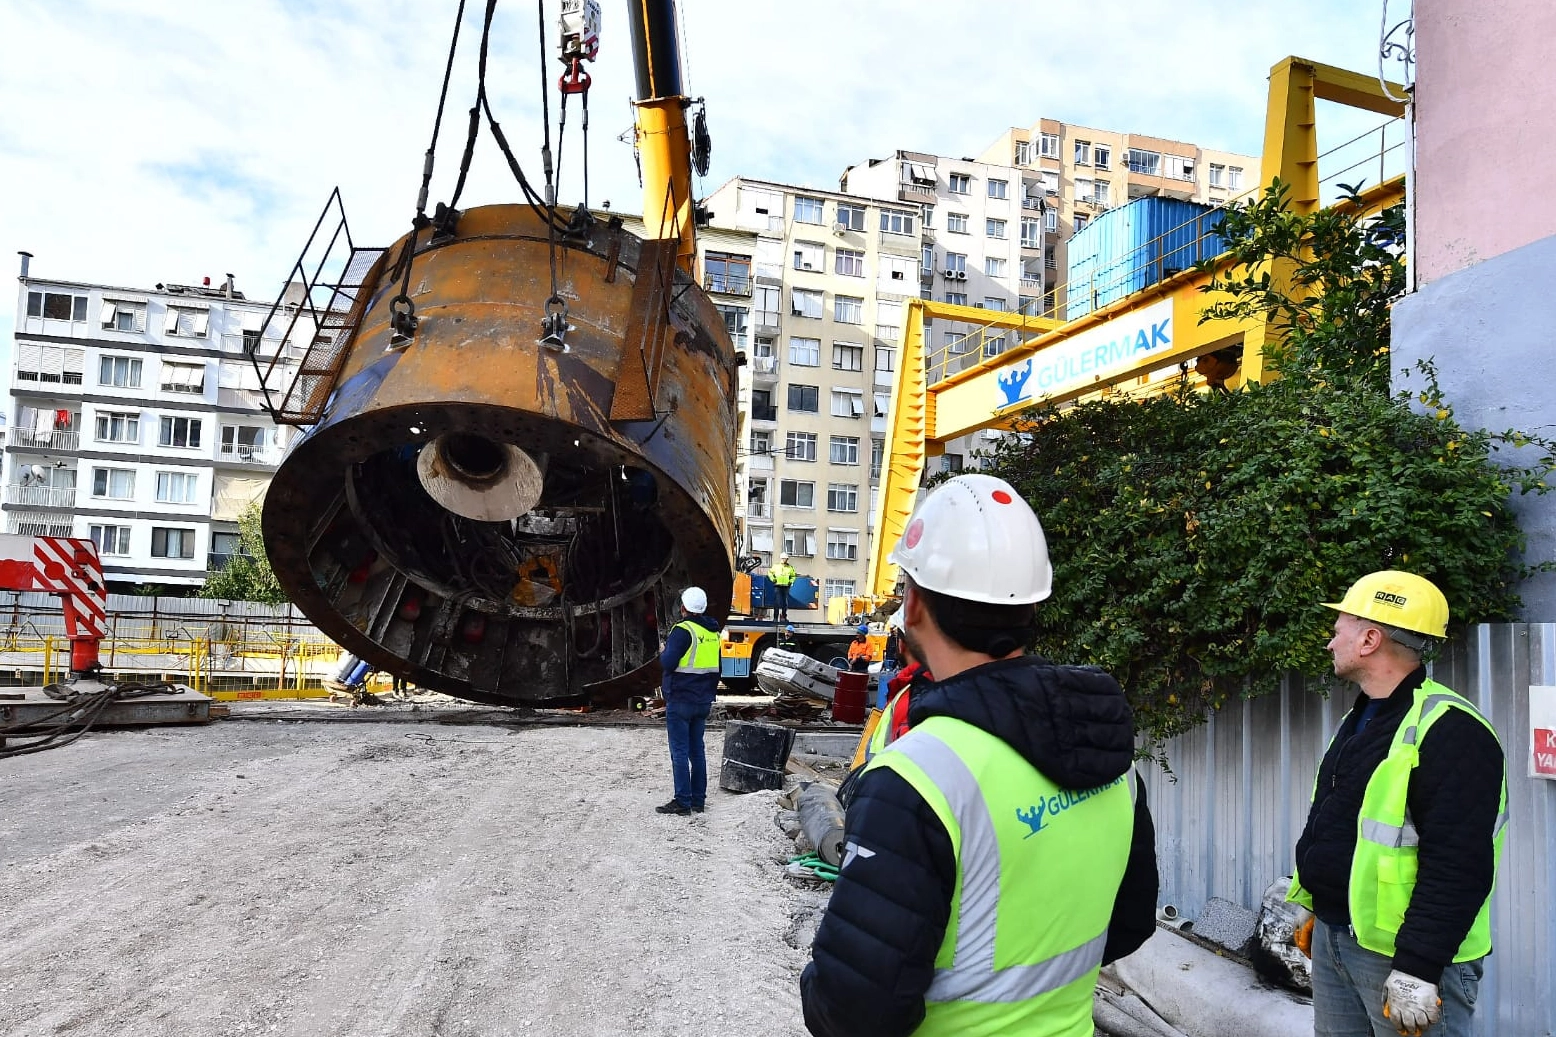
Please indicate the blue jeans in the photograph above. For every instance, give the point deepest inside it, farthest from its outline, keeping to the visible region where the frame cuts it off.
(1348, 990)
(684, 721)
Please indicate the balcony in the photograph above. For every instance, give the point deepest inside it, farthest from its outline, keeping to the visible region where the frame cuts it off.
(242, 453)
(768, 413)
(1032, 282)
(1032, 204)
(47, 440)
(759, 509)
(921, 193)
(728, 284)
(41, 496)
(40, 524)
(764, 370)
(759, 462)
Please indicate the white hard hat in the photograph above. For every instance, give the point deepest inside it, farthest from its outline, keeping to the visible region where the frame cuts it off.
(783, 558)
(976, 539)
(895, 621)
(694, 600)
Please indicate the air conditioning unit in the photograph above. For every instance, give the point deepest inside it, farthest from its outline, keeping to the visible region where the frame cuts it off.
(806, 266)
(840, 228)
(960, 275)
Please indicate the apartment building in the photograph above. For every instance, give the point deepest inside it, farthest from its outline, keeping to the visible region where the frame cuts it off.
(1068, 174)
(136, 420)
(829, 275)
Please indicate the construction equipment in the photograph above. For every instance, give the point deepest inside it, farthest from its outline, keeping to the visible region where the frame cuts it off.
(71, 570)
(522, 419)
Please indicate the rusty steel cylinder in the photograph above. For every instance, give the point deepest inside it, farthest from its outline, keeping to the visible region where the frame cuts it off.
(503, 510)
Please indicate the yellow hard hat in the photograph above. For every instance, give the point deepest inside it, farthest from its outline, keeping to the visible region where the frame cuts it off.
(1397, 599)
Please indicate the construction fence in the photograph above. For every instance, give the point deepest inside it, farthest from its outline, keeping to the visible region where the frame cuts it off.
(1229, 813)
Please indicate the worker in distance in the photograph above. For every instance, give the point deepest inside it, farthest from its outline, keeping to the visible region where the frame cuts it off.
(1399, 854)
(999, 852)
(690, 663)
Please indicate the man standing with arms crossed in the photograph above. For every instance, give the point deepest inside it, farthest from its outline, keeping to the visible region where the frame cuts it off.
(1001, 851)
(1400, 851)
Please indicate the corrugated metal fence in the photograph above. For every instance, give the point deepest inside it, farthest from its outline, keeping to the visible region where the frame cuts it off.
(1227, 825)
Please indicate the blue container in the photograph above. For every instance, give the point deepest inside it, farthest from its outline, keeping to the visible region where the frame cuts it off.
(802, 593)
(1128, 249)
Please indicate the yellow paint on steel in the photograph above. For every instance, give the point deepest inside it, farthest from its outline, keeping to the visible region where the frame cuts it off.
(907, 424)
(665, 148)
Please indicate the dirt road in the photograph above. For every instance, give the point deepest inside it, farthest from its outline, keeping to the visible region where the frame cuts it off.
(258, 878)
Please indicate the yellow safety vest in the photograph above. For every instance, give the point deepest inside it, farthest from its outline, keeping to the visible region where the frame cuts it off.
(1383, 870)
(702, 655)
(881, 737)
(1037, 871)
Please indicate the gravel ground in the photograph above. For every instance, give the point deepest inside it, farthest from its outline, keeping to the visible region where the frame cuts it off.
(261, 877)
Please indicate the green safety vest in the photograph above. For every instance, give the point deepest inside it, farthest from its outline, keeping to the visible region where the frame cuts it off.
(782, 575)
(1037, 871)
(1383, 871)
(702, 655)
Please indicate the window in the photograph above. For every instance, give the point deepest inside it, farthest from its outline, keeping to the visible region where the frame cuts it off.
(956, 222)
(56, 306)
(188, 378)
(728, 273)
(807, 210)
(1048, 145)
(843, 545)
(187, 322)
(961, 183)
(1099, 192)
(799, 542)
(843, 450)
(761, 442)
(847, 357)
(896, 222)
(926, 213)
(113, 483)
(118, 427)
(927, 258)
(1083, 153)
(846, 309)
(804, 398)
(111, 540)
(61, 365)
(242, 441)
(179, 432)
(806, 303)
(847, 403)
(768, 299)
(842, 497)
(918, 173)
(805, 352)
(176, 487)
(1023, 152)
(1083, 189)
(172, 543)
(1031, 232)
(1147, 162)
(998, 188)
(956, 298)
(993, 302)
(762, 406)
(1234, 177)
(123, 316)
(849, 262)
(836, 589)
(1217, 175)
(808, 255)
(994, 228)
(1051, 220)
(956, 262)
(792, 493)
(763, 348)
(1102, 156)
(1180, 168)
(735, 322)
(877, 450)
(950, 462)
(993, 266)
(850, 217)
(1080, 222)
(1049, 261)
(885, 358)
(1050, 183)
(224, 546)
(800, 446)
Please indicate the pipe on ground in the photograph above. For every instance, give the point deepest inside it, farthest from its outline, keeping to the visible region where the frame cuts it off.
(821, 818)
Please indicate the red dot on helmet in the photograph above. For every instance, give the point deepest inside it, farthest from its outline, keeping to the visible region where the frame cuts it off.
(915, 533)
(1001, 497)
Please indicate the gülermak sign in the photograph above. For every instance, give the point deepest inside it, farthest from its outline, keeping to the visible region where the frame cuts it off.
(1093, 355)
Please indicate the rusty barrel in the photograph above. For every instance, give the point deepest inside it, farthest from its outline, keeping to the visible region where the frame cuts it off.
(501, 518)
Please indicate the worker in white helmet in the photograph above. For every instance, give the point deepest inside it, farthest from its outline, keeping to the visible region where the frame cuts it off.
(783, 576)
(690, 663)
(1011, 798)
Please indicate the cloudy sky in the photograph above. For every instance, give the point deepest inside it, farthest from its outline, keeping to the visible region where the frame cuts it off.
(167, 140)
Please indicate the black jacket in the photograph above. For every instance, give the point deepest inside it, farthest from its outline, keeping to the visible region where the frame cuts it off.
(874, 954)
(1453, 799)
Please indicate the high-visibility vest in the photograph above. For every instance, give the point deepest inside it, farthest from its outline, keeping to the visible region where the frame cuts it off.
(881, 737)
(1383, 869)
(782, 574)
(702, 655)
(1037, 871)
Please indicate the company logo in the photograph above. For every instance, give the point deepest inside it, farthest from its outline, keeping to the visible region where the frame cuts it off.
(1037, 816)
(1393, 600)
(915, 533)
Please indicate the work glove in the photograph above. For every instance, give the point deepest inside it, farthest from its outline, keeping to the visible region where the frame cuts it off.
(1411, 1004)
(1302, 932)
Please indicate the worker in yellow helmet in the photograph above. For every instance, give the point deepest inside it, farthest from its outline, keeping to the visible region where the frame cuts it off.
(1400, 851)
(999, 852)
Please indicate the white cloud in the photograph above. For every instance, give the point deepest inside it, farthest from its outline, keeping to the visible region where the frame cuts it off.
(165, 140)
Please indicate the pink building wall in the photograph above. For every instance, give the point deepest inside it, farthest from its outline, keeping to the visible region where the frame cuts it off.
(1485, 130)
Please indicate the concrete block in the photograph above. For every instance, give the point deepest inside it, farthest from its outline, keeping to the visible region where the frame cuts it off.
(1227, 924)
